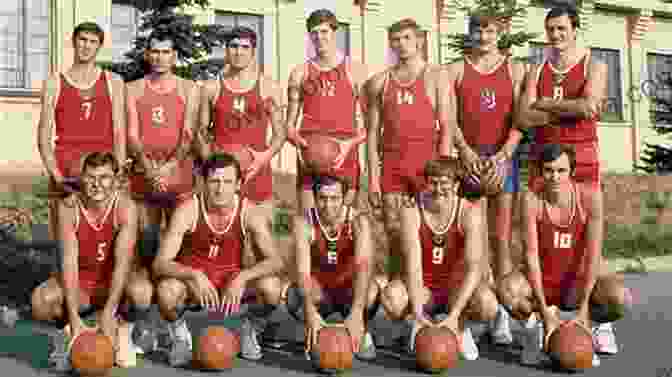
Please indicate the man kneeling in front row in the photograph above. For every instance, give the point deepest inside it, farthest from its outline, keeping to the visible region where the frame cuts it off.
(562, 231)
(443, 248)
(200, 260)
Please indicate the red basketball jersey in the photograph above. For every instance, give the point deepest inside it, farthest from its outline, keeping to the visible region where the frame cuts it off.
(561, 248)
(442, 250)
(161, 122)
(486, 106)
(241, 117)
(571, 84)
(329, 99)
(409, 120)
(216, 251)
(95, 241)
(332, 258)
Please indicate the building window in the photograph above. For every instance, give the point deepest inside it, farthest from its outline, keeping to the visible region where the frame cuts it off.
(659, 67)
(24, 43)
(255, 22)
(124, 22)
(614, 104)
(343, 38)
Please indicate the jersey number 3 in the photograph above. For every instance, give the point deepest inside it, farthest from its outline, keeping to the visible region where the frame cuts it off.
(562, 240)
(437, 255)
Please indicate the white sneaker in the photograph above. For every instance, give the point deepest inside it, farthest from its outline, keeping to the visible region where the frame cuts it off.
(596, 360)
(469, 349)
(181, 343)
(604, 339)
(500, 328)
(532, 339)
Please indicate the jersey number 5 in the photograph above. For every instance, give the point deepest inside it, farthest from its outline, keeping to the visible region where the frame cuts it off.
(437, 255)
(562, 240)
(100, 254)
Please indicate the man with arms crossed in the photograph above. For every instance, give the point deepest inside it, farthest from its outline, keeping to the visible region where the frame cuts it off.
(562, 233)
(326, 90)
(488, 84)
(200, 260)
(443, 250)
(334, 259)
(161, 111)
(403, 105)
(99, 237)
(239, 108)
(564, 97)
(83, 111)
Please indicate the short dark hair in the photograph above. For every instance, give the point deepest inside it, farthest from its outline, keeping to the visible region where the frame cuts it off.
(89, 27)
(443, 166)
(482, 19)
(220, 160)
(567, 10)
(242, 32)
(327, 180)
(322, 16)
(401, 25)
(551, 152)
(98, 159)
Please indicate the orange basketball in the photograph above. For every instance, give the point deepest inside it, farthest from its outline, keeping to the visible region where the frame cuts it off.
(241, 153)
(333, 350)
(320, 154)
(216, 348)
(436, 349)
(92, 354)
(571, 347)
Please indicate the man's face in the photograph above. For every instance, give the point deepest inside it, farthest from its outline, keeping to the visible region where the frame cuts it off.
(222, 185)
(405, 43)
(441, 186)
(86, 46)
(240, 52)
(98, 183)
(323, 38)
(556, 174)
(485, 37)
(329, 201)
(560, 32)
(161, 56)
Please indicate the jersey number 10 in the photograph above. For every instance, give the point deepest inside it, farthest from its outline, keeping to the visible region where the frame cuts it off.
(562, 240)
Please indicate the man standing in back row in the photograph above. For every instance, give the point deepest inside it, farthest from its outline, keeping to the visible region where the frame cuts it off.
(82, 112)
(327, 88)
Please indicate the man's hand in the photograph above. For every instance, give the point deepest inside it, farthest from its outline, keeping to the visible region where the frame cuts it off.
(296, 139)
(492, 177)
(542, 104)
(355, 325)
(346, 146)
(233, 295)
(583, 317)
(108, 325)
(451, 323)
(314, 323)
(551, 323)
(205, 291)
(260, 160)
(420, 322)
(77, 327)
(471, 160)
(375, 198)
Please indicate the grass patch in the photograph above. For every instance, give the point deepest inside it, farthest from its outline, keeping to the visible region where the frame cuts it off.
(35, 201)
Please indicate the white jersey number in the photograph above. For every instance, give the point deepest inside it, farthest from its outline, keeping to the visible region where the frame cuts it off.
(332, 257)
(437, 255)
(562, 240)
(86, 110)
(214, 251)
(100, 254)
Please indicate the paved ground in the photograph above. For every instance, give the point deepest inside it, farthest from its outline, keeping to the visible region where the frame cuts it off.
(642, 339)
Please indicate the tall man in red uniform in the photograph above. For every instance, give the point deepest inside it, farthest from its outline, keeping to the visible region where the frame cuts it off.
(162, 109)
(82, 112)
(200, 260)
(443, 251)
(326, 91)
(334, 256)
(487, 84)
(238, 108)
(563, 232)
(564, 97)
(404, 104)
(99, 234)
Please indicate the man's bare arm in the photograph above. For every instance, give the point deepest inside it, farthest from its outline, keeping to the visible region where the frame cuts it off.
(474, 227)
(595, 234)
(171, 243)
(302, 234)
(46, 126)
(124, 252)
(119, 118)
(70, 263)
(412, 251)
(133, 92)
(257, 224)
(207, 93)
(447, 113)
(530, 206)
(192, 94)
(526, 116)
(515, 135)
(277, 116)
(363, 264)
(587, 107)
(359, 76)
(373, 89)
(294, 99)
(454, 76)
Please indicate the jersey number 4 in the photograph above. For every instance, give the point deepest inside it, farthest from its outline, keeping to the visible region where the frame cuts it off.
(562, 240)
(100, 253)
(437, 255)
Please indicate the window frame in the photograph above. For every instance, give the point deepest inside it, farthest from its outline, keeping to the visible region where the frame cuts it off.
(667, 54)
(26, 88)
(619, 116)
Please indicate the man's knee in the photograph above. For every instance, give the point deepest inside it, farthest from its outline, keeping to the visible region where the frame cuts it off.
(610, 299)
(514, 293)
(395, 300)
(483, 304)
(171, 296)
(270, 290)
(45, 299)
(140, 291)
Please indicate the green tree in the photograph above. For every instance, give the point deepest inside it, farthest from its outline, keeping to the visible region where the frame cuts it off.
(194, 42)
